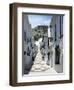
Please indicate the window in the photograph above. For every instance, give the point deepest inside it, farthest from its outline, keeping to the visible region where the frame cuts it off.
(61, 26)
(55, 32)
(25, 36)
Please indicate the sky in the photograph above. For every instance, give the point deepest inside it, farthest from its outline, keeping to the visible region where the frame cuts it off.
(35, 20)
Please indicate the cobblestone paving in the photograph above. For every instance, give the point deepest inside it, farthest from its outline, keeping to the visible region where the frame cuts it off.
(40, 65)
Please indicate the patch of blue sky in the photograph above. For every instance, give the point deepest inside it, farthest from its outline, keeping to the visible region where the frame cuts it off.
(35, 20)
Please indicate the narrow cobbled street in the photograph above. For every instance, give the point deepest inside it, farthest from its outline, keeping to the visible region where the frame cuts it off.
(39, 64)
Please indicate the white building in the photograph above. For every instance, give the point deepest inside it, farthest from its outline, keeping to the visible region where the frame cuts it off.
(56, 47)
(27, 38)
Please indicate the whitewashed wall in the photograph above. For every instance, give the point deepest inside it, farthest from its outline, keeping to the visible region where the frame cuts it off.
(56, 21)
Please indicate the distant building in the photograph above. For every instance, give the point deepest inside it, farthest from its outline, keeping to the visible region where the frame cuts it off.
(39, 31)
(42, 27)
(56, 39)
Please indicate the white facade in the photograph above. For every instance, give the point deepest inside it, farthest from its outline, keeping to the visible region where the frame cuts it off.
(27, 37)
(56, 48)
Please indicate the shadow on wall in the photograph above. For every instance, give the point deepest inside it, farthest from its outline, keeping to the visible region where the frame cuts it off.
(28, 65)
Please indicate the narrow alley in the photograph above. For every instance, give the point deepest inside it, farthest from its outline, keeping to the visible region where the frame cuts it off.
(40, 64)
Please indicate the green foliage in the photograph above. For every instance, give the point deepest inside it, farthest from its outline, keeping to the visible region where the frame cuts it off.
(36, 37)
(38, 32)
